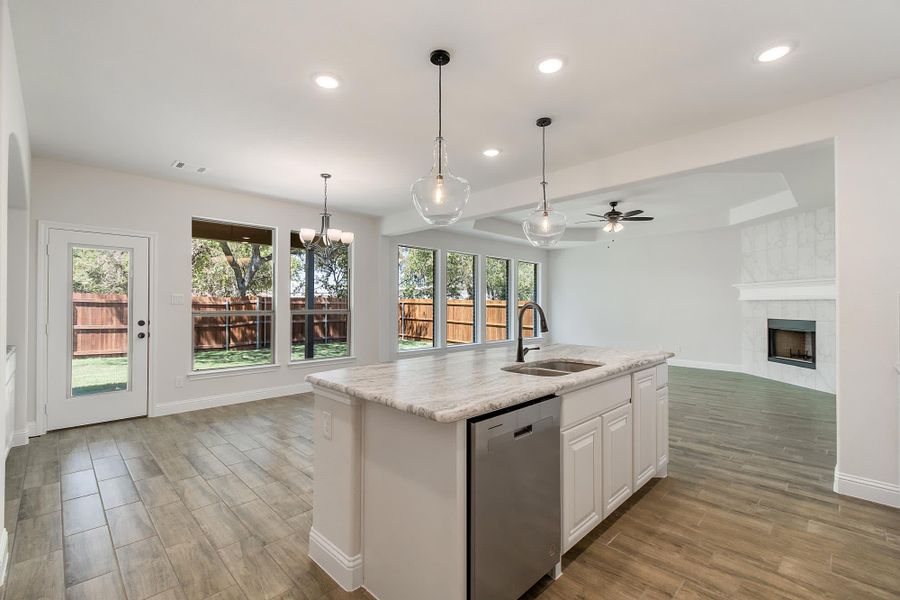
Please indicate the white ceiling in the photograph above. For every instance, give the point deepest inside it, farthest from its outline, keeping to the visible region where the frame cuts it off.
(134, 85)
(698, 200)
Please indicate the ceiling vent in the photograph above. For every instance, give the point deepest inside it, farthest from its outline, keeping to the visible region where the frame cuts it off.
(186, 166)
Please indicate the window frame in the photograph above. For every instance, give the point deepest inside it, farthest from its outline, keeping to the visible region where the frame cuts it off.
(510, 294)
(537, 293)
(273, 329)
(477, 313)
(438, 341)
(311, 313)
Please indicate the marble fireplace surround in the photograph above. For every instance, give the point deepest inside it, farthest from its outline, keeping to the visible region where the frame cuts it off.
(811, 300)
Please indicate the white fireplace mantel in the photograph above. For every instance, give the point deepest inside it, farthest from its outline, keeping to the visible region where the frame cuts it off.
(795, 289)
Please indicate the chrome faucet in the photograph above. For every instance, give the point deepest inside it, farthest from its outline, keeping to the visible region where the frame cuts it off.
(520, 350)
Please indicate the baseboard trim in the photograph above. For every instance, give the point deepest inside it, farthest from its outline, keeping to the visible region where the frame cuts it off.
(4, 555)
(171, 408)
(345, 570)
(711, 366)
(867, 489)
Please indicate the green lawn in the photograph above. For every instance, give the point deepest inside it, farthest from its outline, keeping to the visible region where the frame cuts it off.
(91, 375)
(94, 375)
(414, 344)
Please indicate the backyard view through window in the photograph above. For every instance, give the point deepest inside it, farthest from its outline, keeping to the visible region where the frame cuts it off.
(100, 278)
(460, 298)
(496, 312)
(325, 271)
(232, 288)
(415, 318)
(526, 284)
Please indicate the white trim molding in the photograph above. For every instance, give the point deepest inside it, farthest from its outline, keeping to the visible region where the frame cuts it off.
(795, 289)
(180, 406)
(867, 489)
(347, 571)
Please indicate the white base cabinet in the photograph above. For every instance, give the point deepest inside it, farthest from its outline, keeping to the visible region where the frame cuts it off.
(615, 438)
(617, 473)
(582, 457)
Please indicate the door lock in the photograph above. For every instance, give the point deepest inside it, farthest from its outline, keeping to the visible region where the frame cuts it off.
(142, 335)
(141, 323)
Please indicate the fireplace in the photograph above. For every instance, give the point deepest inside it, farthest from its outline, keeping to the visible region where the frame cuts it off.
(793, 342)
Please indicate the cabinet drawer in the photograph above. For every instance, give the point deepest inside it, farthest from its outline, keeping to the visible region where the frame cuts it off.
(594, 400)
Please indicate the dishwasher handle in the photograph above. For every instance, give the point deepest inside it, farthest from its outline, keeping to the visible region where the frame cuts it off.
(527, 430)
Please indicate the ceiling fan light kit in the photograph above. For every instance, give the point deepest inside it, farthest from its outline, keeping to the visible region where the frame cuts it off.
(440, 196)
(614, 218)
(544, 226)
(327, 237)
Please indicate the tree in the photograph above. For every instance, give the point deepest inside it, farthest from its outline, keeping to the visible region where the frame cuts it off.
(460, 276)
(525, 281)
(496, 275)
(416, 273)
(96, 271)
(231, 269)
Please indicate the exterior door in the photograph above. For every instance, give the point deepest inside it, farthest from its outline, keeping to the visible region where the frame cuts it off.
(97, 327)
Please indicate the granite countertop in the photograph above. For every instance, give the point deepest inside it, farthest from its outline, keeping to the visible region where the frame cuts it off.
(458, 385)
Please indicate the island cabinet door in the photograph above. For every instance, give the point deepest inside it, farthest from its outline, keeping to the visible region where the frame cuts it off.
(643, 395)
(616, 433)
(662, 429)
(582, 491)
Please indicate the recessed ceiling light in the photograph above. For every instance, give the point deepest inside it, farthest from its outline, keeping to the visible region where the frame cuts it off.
(550, 65)
(492, 152)
(774, 53)
(329, 82)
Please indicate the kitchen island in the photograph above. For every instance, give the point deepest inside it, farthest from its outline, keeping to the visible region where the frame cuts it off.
(390, 497)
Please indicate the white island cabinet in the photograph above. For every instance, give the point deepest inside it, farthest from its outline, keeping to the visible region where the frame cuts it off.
(391, 500)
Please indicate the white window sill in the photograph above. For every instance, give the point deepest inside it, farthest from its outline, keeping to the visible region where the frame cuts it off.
(316, 362)
(232, 371)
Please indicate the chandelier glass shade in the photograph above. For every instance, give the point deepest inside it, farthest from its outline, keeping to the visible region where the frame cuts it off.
(326, 236)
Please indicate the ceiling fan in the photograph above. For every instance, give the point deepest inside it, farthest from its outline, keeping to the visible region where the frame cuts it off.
(614, 218)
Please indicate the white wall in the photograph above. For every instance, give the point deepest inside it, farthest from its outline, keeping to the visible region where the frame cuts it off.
(70, 193)
(670, 292)
(453, 242)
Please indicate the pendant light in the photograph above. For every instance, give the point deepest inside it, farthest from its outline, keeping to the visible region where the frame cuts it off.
(544, 226)
(440, 196)
(327, 237)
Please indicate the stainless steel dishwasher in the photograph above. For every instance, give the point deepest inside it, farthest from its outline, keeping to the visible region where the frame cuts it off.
(514, 499)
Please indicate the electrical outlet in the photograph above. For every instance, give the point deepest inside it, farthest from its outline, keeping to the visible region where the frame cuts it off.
(179, 381)
(177, 299)
(326, 424)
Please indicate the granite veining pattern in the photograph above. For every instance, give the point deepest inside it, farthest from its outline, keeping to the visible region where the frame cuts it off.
(459, 385)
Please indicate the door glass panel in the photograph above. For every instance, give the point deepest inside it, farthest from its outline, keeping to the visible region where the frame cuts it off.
(99, 320)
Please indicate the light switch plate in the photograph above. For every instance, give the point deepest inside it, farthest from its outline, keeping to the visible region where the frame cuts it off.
(177, 299)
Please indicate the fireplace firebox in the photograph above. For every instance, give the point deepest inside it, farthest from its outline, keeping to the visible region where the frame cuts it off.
(793, 342)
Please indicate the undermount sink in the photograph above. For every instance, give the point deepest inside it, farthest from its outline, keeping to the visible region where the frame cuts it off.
(551, 368)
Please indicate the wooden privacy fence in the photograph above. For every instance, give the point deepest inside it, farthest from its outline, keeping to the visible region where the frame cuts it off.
(100, 323)
(415, 320)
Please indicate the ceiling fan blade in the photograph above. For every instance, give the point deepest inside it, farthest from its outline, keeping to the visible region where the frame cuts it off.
(637, 219)
(594, 215)
(589, 221)
(632, 213)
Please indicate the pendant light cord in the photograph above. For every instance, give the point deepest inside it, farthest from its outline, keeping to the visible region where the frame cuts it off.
(544, 166)
(440, 116)
(325, 179)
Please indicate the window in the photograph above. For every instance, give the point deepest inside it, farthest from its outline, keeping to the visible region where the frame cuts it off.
(496, 310)
(526, 289)
(415, 296)
(460, 298)
(232, 288)
(320, 329)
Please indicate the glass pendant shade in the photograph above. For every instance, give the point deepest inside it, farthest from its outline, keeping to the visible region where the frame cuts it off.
(334, 235)
(544, 226)
(307, 235)
(440, 196)
(347, 238)
(613, 227)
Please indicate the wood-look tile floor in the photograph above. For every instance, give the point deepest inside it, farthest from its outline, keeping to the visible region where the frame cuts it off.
(213, 504)
(747, 510)
(216, 504)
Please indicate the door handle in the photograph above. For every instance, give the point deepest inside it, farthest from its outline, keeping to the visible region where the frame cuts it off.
(142, 335)
(141, 323)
